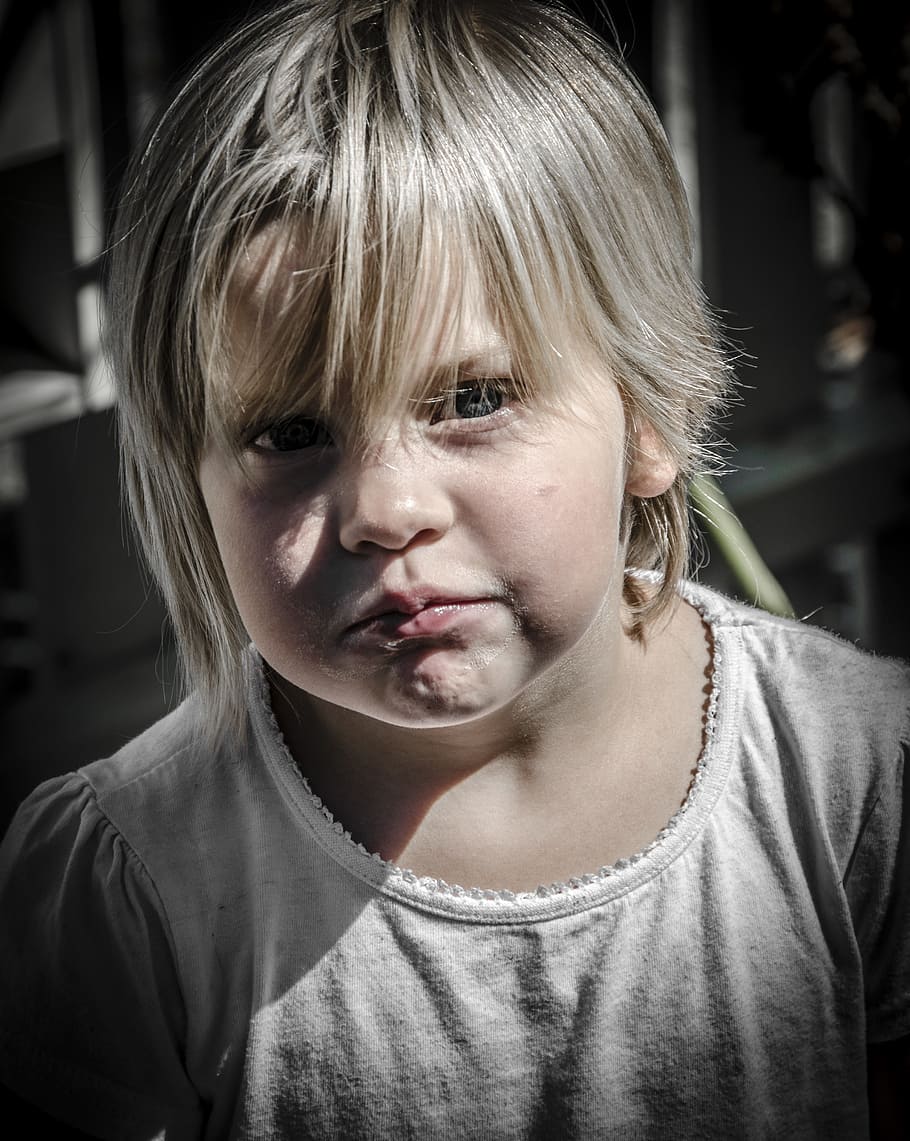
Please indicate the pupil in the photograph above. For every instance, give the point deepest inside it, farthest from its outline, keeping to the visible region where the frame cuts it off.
(478, 400)
(294, 434)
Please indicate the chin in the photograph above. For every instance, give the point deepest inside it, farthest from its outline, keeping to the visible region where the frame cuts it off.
(431, 712)
(436, 703)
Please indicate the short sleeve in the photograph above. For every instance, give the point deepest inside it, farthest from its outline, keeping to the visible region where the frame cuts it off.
(91, 1015)
(877, 884)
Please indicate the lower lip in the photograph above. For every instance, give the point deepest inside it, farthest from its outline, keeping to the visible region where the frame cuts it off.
(430, 622)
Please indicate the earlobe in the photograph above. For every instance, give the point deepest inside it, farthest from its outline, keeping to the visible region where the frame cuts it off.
(651, 471)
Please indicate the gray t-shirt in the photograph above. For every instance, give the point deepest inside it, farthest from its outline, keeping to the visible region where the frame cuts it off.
(191, 946)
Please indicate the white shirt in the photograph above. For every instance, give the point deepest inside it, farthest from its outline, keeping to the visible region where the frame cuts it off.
(192, 947)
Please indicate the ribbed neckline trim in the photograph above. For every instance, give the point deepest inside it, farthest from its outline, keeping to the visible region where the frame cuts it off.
(549, 901)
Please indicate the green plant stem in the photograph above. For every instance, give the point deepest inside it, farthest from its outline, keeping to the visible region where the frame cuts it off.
(756, 580)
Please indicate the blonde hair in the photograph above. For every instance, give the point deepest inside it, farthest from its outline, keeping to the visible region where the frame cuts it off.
(382, 145)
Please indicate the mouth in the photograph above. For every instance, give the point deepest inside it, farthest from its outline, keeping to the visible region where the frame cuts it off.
(398, 618)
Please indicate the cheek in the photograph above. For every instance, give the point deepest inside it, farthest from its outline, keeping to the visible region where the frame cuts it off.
(557, 537)
(572, 513)
(264, 548)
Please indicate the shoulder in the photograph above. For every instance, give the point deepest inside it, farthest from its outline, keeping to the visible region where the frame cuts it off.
(818, 730)
(155, 757)
(113, 793)
(808, 685)
(142, 813)
(82, 820)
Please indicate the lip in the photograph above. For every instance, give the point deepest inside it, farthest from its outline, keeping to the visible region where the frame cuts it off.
(418, 614)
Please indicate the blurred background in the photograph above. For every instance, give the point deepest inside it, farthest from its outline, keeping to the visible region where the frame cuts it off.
(790, 120)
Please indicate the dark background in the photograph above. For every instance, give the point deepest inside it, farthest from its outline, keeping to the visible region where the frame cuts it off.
(795, 121)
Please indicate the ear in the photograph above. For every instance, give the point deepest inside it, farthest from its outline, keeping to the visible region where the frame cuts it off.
(651, 470)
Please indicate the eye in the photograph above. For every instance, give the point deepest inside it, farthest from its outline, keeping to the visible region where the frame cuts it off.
(293, 435)
(471, 400)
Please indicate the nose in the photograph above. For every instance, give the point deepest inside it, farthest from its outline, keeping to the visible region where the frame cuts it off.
(391, 501)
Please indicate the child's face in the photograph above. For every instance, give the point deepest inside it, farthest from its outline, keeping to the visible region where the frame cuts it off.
(439, 577)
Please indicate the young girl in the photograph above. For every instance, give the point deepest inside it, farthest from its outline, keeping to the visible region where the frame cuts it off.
(467, 831)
